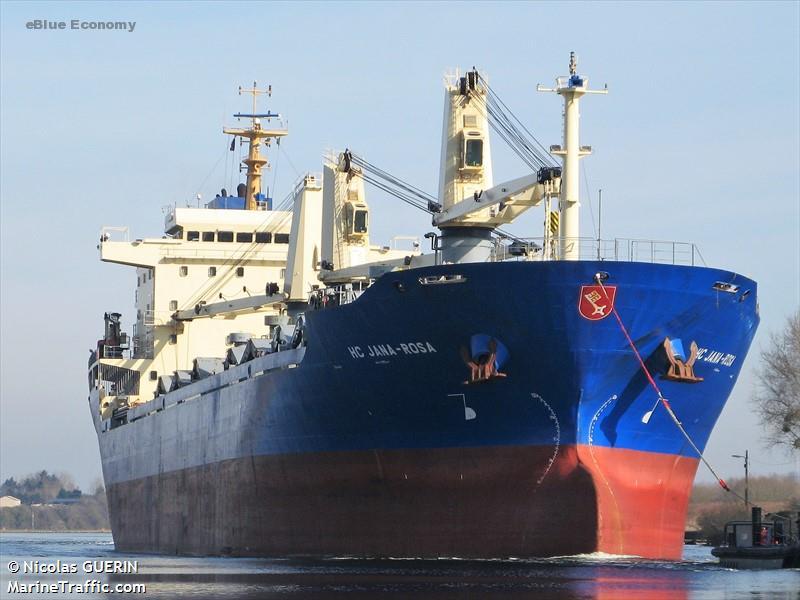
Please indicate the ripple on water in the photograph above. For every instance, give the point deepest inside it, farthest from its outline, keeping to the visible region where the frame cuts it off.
(590, 576)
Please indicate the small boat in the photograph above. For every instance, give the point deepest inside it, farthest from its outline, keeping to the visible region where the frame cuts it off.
(758, 544)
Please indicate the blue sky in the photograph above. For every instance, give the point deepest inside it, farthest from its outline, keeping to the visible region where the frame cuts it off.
(697, 141)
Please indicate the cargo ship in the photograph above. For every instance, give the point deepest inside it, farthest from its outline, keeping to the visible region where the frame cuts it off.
(292, 389)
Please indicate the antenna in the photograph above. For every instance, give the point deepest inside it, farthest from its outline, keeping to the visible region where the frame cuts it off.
(255, 115)
(256, 92)
(255, 136)
(571, 89)
(599, 219)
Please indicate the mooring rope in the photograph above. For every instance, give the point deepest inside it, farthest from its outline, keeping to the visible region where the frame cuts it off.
(661, 398)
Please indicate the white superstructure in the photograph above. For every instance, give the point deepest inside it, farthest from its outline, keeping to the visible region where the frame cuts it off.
(216, 271)
(209, 256)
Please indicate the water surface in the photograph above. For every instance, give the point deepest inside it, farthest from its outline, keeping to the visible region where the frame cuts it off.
(594, 576)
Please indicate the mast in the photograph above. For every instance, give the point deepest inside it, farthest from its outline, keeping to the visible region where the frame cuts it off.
(571, 89)
(255, 134)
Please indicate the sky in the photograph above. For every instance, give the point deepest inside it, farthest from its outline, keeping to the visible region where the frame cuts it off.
(697, 141)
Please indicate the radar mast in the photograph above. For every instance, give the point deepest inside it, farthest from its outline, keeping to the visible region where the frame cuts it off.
(255, 134)
(571, 88)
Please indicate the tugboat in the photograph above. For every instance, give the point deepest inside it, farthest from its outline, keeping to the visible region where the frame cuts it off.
(292, 388)
(759, 544)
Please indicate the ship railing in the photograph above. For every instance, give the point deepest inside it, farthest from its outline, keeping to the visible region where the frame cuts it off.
(143, 347)
(617, 249)
(116, 381)
(309, 180)
(337, 295)
(115, 351)
(151, 317)
(157, 317)
(400, 242)
(143, 339)
(665, 252)
(114, 234)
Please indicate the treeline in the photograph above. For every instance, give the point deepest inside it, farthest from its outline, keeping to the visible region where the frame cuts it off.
(79, 512)
(762, 488)
(711, 506)
(40, 488)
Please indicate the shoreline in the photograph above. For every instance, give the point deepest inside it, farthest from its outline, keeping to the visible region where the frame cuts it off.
(55, 531)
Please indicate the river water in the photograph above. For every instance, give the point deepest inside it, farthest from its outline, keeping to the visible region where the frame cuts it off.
(576, 577)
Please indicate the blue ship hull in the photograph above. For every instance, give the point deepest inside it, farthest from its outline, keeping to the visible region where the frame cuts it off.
(370, 440)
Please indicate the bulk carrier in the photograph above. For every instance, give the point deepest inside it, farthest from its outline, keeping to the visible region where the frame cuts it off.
(291, 388)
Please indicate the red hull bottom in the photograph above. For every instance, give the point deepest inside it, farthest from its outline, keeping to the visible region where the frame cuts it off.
(465, 502)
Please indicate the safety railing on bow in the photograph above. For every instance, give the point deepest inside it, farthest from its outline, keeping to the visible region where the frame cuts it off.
(618, 249)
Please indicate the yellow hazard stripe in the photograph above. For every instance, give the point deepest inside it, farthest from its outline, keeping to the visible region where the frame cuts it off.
(553, 221)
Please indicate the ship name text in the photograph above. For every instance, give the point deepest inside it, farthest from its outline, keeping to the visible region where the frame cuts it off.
(716, 358)
(382, 350)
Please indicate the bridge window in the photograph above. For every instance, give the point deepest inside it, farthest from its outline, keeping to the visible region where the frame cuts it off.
(183, 271)
(473, 155)
(173, 305)
(208, 236)
(225, 236)
(240, 271)
(244, 237)
(263, 237)
(212, 271)
(281, 238)
(192, 236)
(360, 221)
(153, 375)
